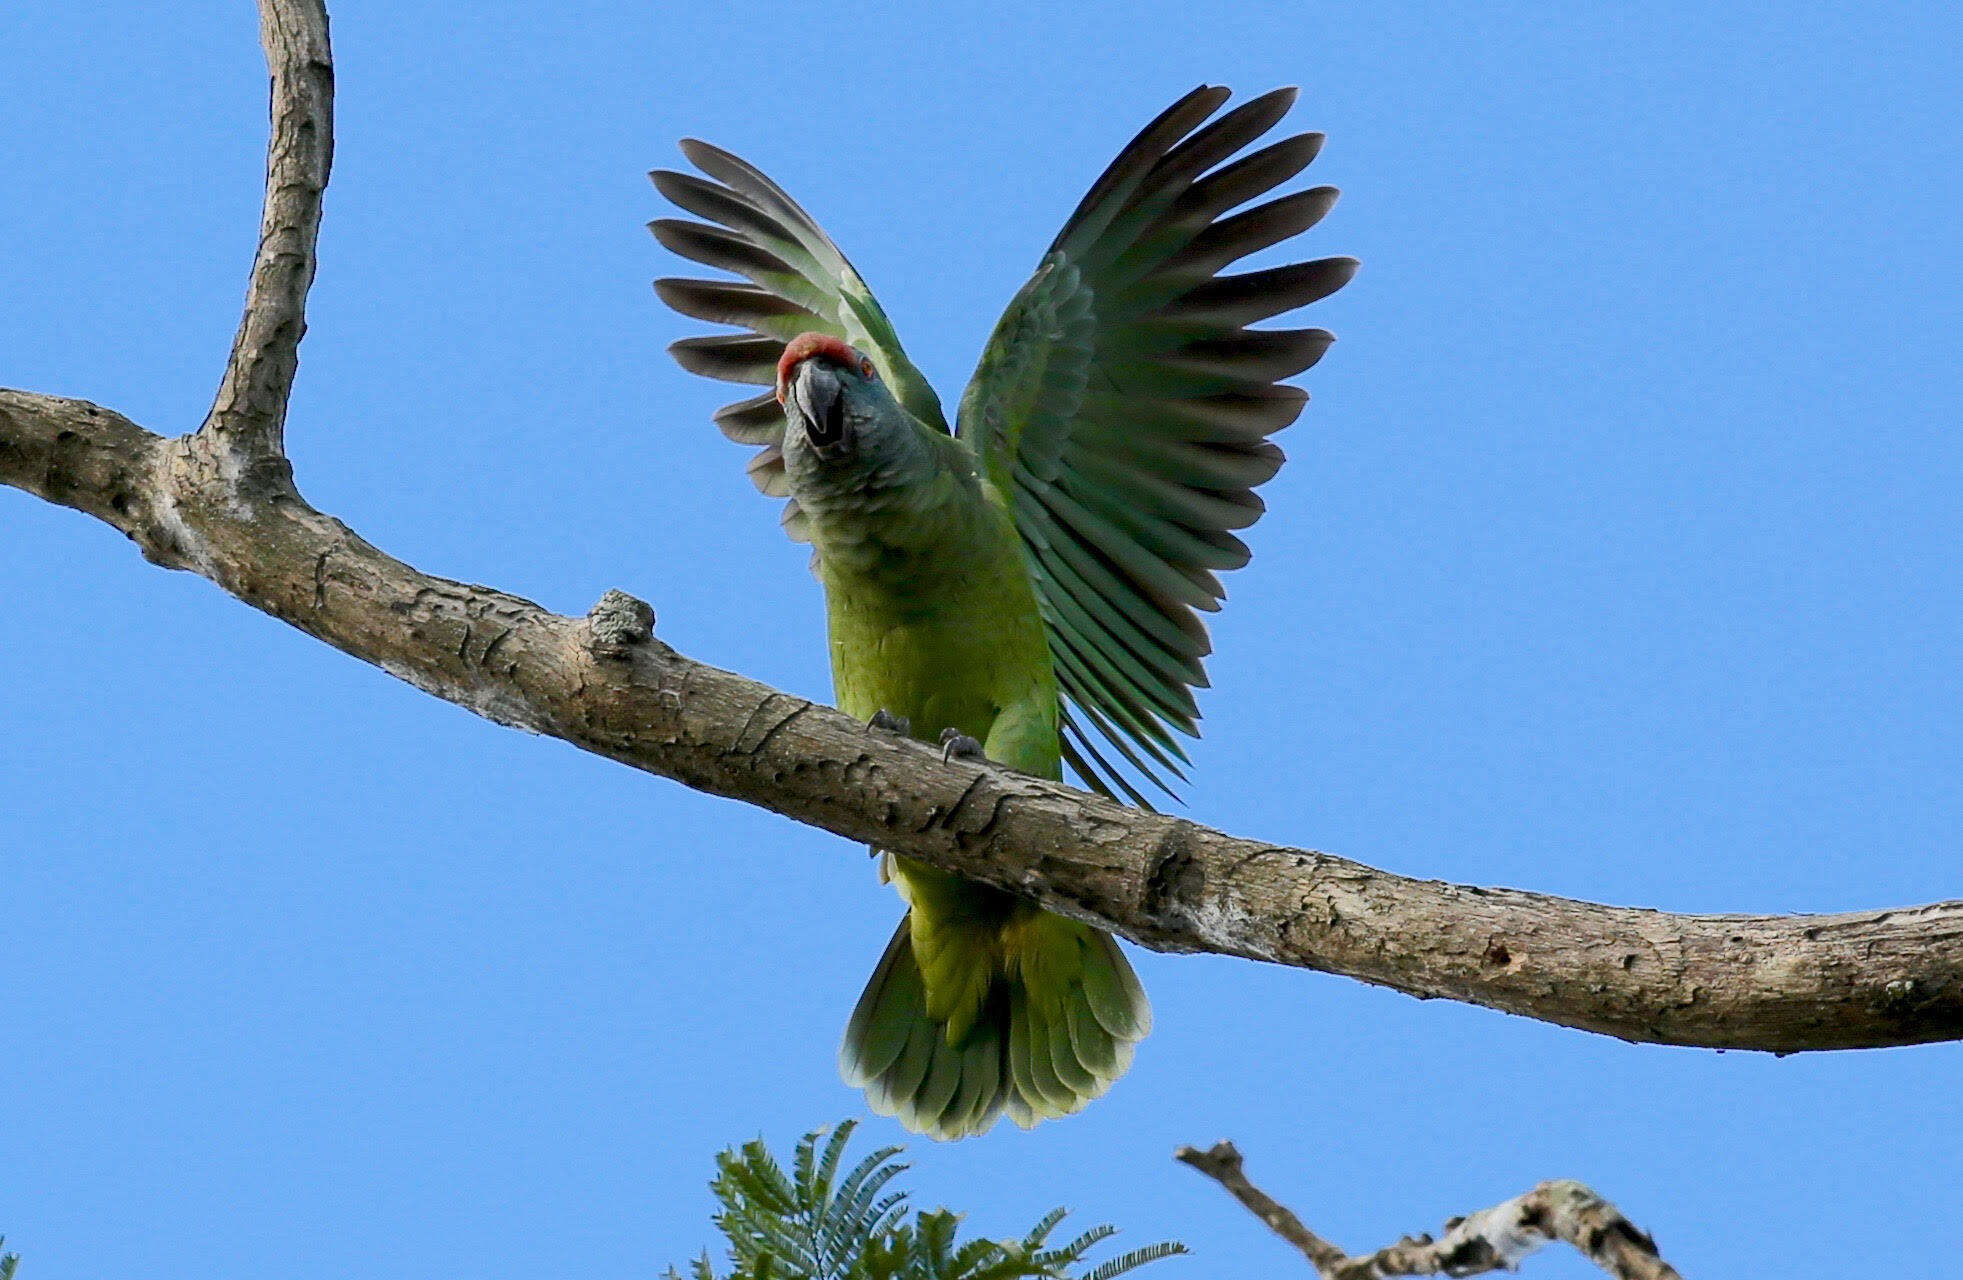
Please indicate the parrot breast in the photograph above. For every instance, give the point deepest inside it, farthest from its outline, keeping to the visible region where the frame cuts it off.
(929, 604)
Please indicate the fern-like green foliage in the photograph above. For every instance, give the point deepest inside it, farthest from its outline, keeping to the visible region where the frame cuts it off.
(8, 1261)
(812, 1224)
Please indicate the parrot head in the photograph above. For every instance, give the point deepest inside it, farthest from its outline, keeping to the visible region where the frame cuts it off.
(848, 443)
(834, 402)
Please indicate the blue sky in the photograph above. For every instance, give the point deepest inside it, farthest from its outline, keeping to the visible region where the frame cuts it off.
(1616, 558)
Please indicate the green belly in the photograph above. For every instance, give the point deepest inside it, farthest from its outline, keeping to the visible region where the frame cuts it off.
(963, 650)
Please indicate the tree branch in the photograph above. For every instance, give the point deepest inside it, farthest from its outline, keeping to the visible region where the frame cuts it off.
(1222, 1163)
(221, 502)
(1494, 1239)
(249, 414)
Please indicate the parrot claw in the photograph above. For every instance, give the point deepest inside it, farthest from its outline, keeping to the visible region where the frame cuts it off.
(884, 719)
(956, 745)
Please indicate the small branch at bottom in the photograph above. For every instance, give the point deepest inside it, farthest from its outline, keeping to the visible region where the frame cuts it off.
(1494, 1239)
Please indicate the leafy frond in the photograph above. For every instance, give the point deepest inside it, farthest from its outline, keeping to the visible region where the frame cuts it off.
(1111, 1268)
(813, 1224)
(1077, 1248)
(1040, 1233)
(8, 1261)
(856, 1210)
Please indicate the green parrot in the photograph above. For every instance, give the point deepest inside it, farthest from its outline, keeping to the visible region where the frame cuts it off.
(1027, 587)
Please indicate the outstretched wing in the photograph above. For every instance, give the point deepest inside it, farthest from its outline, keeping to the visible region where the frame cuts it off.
(1124, 405)
(797, 282)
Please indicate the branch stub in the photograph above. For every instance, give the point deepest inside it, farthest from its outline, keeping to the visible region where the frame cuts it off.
(618, 620)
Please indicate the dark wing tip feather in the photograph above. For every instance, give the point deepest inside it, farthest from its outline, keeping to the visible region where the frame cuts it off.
(716, 247)
(1262, 355)
(1238, 300)
(1254, 173)
(746, 178)
(1287, 94)
(727, 301)
(1205, 147)
(682, 189)
(1251, 231)
(758, 420)
(703, 155)
(766, 472)
(732, 357)
(707, 156)
(1081, 753)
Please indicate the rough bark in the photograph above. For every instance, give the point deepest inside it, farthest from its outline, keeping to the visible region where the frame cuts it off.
(1494, 1239)
(249, 415)
(221, 502)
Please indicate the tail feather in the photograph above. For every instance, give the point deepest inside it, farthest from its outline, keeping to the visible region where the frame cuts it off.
(909, 1074)
(1046, 1028)
(979, 1099)
(1104, 1057)
(945, 1076)
(1076, 1078)
(1035, 1072)
(878, 1032)
(1114, 993)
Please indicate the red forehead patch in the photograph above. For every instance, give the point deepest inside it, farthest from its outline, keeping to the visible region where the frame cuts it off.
(807, 345)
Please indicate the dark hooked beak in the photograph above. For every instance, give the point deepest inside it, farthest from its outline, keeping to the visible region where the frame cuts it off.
(820, 402)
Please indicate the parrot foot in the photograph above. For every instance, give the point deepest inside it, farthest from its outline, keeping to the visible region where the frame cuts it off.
(884, 719)
(956, 745)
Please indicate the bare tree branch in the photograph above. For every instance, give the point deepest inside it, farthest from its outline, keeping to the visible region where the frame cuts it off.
(1222, 1163)
(249, 414)
(1494, 1239)
(221, 503)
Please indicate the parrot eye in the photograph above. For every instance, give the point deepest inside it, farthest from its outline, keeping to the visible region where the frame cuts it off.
(866, 369)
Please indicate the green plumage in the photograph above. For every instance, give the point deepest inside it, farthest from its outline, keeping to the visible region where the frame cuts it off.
(1035, 582)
